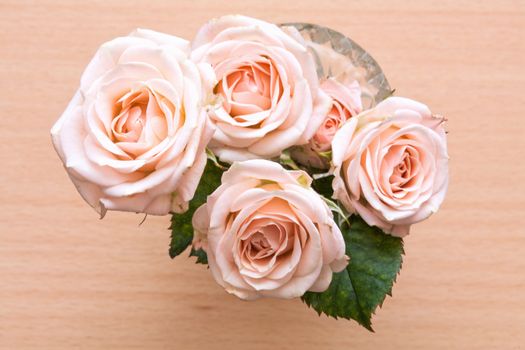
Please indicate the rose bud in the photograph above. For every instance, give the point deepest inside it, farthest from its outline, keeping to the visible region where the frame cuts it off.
(346, 103)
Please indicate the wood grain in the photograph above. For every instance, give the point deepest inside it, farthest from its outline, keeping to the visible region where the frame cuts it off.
(69, 280)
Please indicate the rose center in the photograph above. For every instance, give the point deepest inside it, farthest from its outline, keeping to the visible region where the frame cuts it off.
(259, 246)
(248, 90)
(403, 168)
(264, 241)
(139, 122)
(405, 171)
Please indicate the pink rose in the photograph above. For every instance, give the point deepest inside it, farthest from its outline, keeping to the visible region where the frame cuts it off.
(268, 86)
(391, 164)
(268, 233)
(133, 137)
(346, 103)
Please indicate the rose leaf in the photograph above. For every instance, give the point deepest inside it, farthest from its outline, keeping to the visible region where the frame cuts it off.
(323, 186)
(202, 257)
(356, 292)
(181, 227)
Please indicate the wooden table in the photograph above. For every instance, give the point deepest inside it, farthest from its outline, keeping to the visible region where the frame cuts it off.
(69, 280)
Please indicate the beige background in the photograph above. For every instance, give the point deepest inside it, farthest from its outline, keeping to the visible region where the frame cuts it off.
(69, 280)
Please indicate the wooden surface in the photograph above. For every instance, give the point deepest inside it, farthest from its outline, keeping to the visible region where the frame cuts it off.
(69, 280)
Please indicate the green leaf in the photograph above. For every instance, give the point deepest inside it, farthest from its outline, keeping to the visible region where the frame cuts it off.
(356, 292)
(339, 214)
(181, 233)
(202, 257)
(181, 228)
(323, 186)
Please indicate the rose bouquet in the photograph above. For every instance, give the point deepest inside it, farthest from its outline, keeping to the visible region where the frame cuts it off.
(285, 163)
